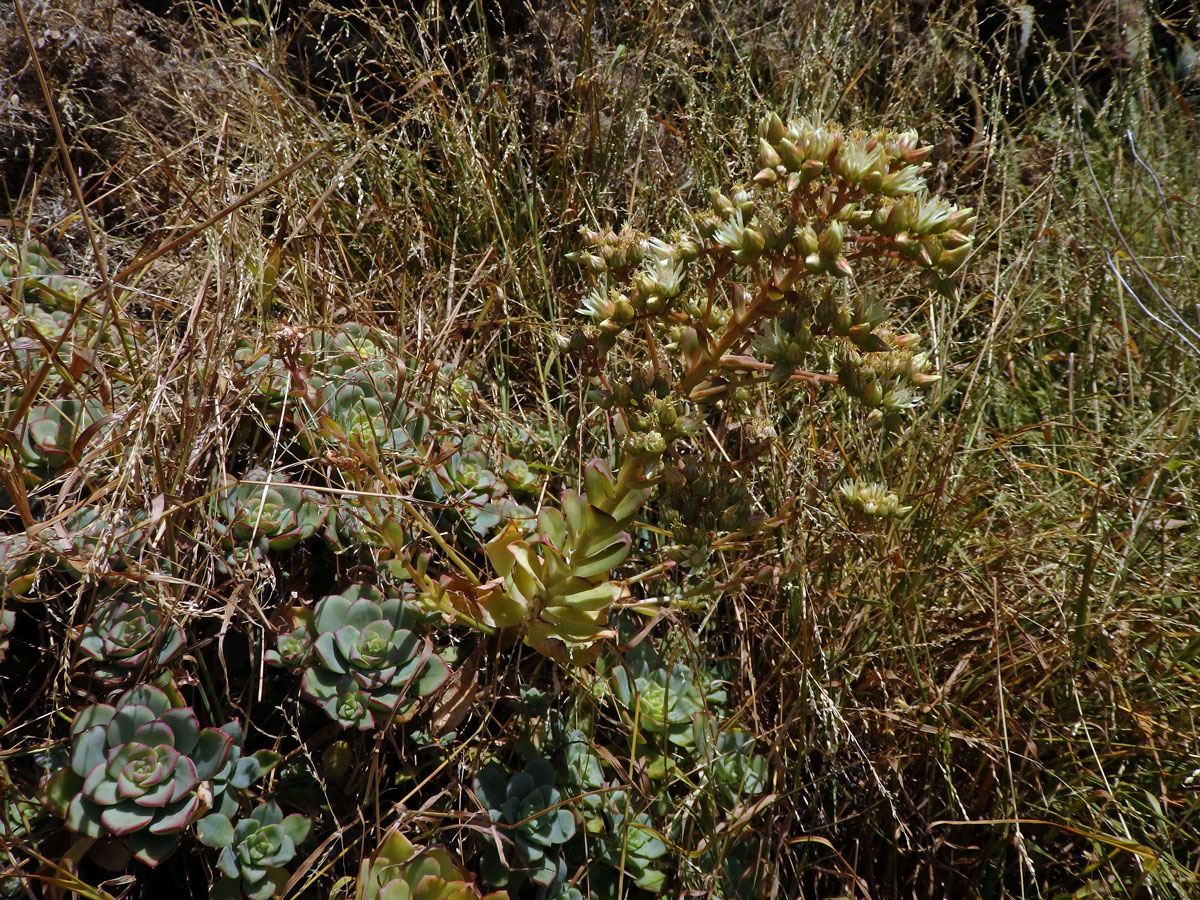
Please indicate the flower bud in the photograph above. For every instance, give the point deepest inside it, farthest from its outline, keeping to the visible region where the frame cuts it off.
(841, 322)
(909, 246)
(955, 238)
(768, 157)
(962, 220)
(872, 393)
(830, 241)
(753, 242)
(898, 219)
(815, 263)
(790, 155)
(765, 177)
(806, 240)
(826, 310)
(707, 224)
(623, 312)
(771, 128)
(841, 268)
(721, 204)
(689, 344)
(811, 170)
(804, 337)
(952, 259)
(850, 378)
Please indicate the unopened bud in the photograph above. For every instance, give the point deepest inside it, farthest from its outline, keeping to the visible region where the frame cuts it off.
(687, 249)
(841, 322)
(623, 312)
(806, 240)
(753, 242)
(768, 157)
(952, 259)
(764, 177)
(790, 155)
(722, 204)
(872, 393)
(811, 170)
(908, 246)
(771, 128)
(841, 268)
(830, 241)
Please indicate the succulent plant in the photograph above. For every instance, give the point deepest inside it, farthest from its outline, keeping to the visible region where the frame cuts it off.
(351, 345)
(632, 845)
(141, 771)
(19, 564)
(530, 804)
(31, 271)
(367, 520)
(732, 765)
(667, 698)
(360, 658)
(268, 511)
(260, 372)
(8, 621)
(400, 871)
(363, 411)
(253, 850)
(464, 482)
(239, 771)
(32, 329)
(554, 584)
(101, 541)
(55, 431)
(128, 632)
(624, 839)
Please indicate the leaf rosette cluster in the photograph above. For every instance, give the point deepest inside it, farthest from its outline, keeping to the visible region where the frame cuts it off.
(398, 870)
(269, 512)
(254, 850)
(359, 657)
(141, 771)
(530, 803)
(129, 632)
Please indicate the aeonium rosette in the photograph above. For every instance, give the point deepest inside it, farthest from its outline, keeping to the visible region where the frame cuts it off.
(360, 657)
(141, 771)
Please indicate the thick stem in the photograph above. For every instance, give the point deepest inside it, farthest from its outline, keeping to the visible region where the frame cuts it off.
(730, 337)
